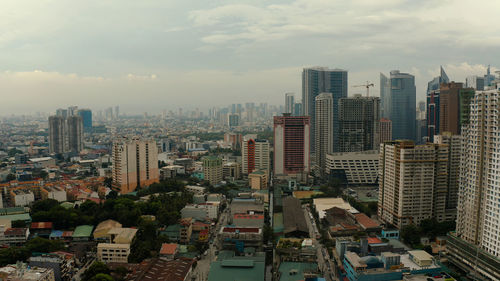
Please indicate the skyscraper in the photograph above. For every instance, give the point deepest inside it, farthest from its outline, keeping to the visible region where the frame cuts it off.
(412, 182)
(86, 115)
(233, 120)
(454, 104)
(324, 130)
(454, 143)
(65, 134)
(398, 97)
(475, 82)
(475, 247)
(74, 134)
(291, 146)
(255, 155)
(435, 83)
(359, 123)
(289, 103)
(432, 119)
(297, 109)
(318, 80)
(135, 163)
(56, 134)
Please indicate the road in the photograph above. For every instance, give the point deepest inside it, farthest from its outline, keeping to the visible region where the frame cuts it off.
(203, 265)
(324, 262)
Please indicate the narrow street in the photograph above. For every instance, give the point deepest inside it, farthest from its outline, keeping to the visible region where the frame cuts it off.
(324, 262)
(203, 265)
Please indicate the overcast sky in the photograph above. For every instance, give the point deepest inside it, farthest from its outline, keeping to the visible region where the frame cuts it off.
(150, 55)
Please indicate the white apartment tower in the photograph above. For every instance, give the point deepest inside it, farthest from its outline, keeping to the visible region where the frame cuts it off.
(479, 189)
(475, 246)
(255, 155)
(135, 163)
(412, 182)
(324, 130)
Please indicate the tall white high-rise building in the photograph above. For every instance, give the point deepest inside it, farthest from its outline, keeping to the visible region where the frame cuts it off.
(324, 130)
(479, 197)
(255, 155)
(135, 163)
(475, 246)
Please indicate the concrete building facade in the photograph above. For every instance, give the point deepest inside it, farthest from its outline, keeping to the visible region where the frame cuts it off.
(291, 146)
(359, 123)
(255, 155)
(412, 182)
(135, 163)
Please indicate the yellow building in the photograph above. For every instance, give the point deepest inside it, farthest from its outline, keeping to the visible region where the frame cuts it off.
(258, 180)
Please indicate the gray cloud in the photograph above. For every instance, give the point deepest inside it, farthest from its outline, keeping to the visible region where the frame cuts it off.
(195, 53)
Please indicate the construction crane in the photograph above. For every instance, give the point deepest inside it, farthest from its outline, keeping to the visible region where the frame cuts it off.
(367, 86)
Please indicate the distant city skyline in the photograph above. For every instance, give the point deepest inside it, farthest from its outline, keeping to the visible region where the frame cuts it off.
(152, 55)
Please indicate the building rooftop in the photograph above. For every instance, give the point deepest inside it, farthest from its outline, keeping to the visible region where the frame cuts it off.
(294, 271)
(41, 225)
(323, 204)
(168, 249)
(247, 216)
(83, 231)
(230, 268)
(365, 222)
(229, 229)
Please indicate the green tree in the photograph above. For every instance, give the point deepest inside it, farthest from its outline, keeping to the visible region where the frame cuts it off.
(95, 269)
(102, 277)
(410, 234)
(43, 245)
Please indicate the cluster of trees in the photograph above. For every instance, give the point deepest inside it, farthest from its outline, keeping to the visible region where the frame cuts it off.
(13, 254)
(166, 207)
(99, 271)
(369, 208)
(430, 228)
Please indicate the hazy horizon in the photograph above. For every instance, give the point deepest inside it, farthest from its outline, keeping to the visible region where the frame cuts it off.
(156, 55)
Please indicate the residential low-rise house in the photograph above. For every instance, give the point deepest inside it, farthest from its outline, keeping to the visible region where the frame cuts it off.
(41, 229)
(21, 197)
(158, 269)
(63, 264)
(168, 251)
(185, 231)
(110, 252)
(21, 272)
(195, 189)
(15, 236)
(53, 192)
